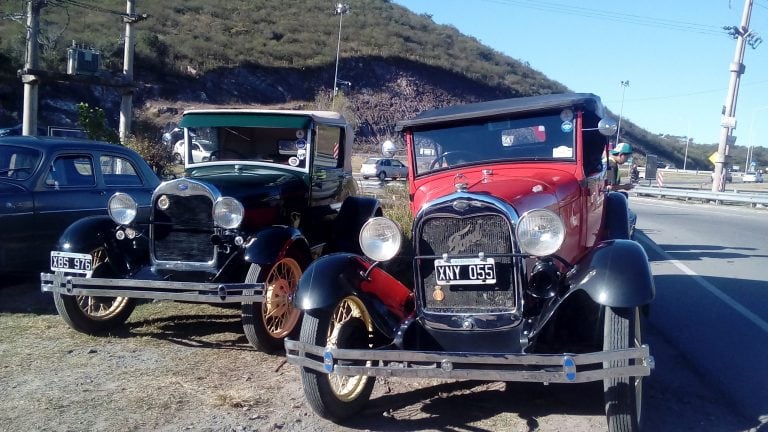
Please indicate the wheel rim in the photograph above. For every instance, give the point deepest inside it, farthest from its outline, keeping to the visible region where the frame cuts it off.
(277, 311)
(100, 308)
(347, 388)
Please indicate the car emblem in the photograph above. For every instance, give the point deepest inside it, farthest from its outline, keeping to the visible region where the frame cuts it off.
(183, 186)
(460, 241)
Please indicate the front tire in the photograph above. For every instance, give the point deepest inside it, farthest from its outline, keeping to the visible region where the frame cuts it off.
(382, 176)
(95, 315)
(268, 323)
(623, 396)
(348, 325)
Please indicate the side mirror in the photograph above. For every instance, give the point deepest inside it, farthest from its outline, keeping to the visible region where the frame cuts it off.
(607, 126)
(388, 148)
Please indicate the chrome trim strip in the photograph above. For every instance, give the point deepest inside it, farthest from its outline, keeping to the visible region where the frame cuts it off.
(150, 289)
(547, 368)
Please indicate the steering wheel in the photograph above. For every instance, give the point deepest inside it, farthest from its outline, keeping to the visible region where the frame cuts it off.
(458, 156)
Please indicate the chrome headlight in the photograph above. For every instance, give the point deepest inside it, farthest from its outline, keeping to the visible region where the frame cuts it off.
(228, 213)
(540, 232)
(380, 239)
(122, 208)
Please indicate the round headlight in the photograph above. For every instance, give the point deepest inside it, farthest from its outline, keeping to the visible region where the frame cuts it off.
(540, 232)
(122, 208)
(380, 239)
(228, 213)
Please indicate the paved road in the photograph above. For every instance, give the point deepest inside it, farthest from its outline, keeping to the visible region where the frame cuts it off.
(709, 266)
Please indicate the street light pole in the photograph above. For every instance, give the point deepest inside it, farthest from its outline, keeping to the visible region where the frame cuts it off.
(341, 9)
(624, 85)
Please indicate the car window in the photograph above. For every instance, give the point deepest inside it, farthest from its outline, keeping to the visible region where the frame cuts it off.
(118, 171)
(328, 146)
(18, 163)
(71, 170)
(370, 161)
(397, 163)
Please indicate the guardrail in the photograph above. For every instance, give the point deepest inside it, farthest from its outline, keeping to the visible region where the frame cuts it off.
(752, 198)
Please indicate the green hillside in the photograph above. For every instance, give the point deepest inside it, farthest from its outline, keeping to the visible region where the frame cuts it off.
(281, 53)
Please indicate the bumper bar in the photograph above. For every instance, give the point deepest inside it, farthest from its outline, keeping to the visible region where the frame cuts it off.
(151, 289)
(546, 368)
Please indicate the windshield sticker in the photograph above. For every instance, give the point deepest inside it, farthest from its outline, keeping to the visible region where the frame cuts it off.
(301, 144)
(562, 152)
(293, 161)
(301, 154)
(566, 115)
(567, 126)
(300, 134)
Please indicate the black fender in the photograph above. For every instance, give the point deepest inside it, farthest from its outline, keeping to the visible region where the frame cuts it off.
(333, 277)
(354, 212)
(269, 244)
(617, 216)
(92, 232)
(615, 273)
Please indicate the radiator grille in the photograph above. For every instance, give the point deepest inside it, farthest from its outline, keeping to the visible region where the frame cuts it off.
(183, 231)
(488, 233)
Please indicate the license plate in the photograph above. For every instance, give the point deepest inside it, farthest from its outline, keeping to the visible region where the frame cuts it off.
(71, 262)
(466, 271)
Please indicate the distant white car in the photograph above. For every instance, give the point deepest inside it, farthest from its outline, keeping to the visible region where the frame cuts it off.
(201, 151)
(752, 177)
(384, 168)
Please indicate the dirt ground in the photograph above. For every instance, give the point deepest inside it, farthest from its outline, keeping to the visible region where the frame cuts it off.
(186, 367)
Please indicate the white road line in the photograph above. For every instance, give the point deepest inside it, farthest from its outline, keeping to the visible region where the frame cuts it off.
(762, 324)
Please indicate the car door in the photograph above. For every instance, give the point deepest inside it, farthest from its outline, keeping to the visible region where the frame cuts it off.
(327, 178)
(17, 227)
(67, 193)
(399, 170)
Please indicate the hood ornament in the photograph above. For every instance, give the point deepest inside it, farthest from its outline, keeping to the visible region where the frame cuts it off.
(461, 186)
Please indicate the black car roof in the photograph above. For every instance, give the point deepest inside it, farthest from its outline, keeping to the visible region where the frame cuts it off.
(58, 143)
(587, 101)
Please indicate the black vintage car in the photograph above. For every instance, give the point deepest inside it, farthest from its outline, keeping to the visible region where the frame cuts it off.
(238, 228)
(46, 184)
(522, 264)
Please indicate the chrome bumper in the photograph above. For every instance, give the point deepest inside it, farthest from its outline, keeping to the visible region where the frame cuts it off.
(150, 289)
(546, 368)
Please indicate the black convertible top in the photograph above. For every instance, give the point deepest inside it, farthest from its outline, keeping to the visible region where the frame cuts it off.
(587, 101)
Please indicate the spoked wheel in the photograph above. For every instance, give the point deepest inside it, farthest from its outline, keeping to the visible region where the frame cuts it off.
(348, 325)
(267, 324)
(93, 315)
(623, 396)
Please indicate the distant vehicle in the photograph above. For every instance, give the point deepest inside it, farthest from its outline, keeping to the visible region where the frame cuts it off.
(752, 177)
(383, 168)
(17, 130)
(48, 183)
(728, 176)
(201, 150)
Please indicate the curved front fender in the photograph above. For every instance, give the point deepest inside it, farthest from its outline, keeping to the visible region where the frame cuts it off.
(270, 243)
(616, 274)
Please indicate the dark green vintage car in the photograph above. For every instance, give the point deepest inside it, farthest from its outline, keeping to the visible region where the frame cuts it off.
(240, 226)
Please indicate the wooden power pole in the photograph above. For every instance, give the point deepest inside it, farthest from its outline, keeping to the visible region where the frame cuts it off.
(31, 62)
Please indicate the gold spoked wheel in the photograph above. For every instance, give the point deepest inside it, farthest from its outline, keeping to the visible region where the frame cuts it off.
(347, 325)
(279, 315)
(89, 314)
(347, 388)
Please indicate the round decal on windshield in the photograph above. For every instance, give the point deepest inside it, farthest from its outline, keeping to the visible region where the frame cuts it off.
(300, 144)
(293, 161)
(301, 154)
(566, 115)
(300, 134)
(566, 126)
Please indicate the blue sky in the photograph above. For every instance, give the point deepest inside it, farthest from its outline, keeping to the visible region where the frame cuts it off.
(674, 54)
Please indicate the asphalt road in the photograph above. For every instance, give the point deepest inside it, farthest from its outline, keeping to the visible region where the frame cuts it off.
(709, 264)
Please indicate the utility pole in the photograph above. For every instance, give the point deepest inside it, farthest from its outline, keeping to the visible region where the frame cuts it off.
(743, 36)
(624, 85)
(126, 103)
(31, 82)
(341, 9)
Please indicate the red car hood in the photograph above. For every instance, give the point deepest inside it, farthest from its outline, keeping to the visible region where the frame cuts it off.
(524, 187)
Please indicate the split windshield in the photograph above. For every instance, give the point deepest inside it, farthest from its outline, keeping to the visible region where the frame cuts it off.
(549, 137)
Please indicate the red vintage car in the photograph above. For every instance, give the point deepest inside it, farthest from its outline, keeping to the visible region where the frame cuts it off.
(523, 266)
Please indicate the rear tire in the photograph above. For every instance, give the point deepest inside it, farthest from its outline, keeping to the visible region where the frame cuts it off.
(348, 325)
(623, 396)
(268, 323)
(382, 176)
(95, 315)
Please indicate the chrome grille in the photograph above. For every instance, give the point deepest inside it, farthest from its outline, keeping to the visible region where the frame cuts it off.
(183, 231)
(488, 233)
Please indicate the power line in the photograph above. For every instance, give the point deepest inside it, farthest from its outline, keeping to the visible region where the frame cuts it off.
(613, 16)
(88, 6)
